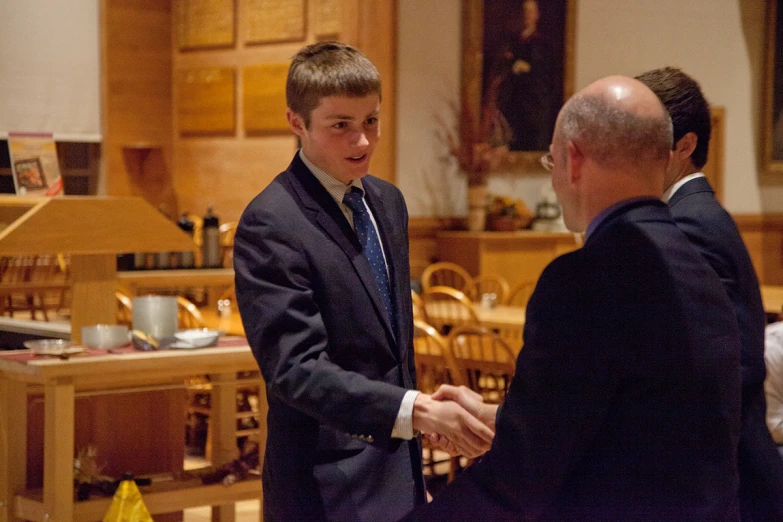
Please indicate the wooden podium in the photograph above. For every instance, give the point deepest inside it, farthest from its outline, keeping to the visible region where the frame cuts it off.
(93, 230)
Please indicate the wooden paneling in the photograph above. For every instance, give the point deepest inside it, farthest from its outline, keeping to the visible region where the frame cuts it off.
(136, 94)
(206, 23)
(264, 98)
(206, 100)
(763, 235)
(268, 21)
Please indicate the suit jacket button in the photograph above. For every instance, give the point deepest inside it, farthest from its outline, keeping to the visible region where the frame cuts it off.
(370, 439)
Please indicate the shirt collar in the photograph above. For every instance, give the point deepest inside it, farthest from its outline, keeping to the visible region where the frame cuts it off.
(333, 186)
(601, 217)
(674, 188)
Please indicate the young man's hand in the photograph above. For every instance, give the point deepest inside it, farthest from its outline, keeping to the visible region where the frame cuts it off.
(468, 436)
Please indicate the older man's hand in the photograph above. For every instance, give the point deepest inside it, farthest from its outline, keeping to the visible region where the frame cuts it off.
(467, 435)
(471, 401)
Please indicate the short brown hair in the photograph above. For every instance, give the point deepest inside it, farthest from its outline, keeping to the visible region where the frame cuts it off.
(689, 110)
(328, 69)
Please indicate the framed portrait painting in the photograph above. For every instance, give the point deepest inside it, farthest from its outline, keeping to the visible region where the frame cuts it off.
(518, 63)
(772, 135)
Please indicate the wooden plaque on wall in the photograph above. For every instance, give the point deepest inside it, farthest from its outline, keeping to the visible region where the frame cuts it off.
(206, 23)
(206, 100)
(327, 18)
(264, 98)
(274, 21)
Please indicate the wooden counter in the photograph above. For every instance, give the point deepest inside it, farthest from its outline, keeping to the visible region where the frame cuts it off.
(97, 372)
(519, 256)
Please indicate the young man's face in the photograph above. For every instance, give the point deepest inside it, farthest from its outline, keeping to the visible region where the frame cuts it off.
(342, 135)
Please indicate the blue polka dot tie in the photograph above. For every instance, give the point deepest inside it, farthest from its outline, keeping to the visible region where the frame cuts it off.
(371, 246)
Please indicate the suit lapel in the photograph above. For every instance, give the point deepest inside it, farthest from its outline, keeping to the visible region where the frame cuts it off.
(330, 218)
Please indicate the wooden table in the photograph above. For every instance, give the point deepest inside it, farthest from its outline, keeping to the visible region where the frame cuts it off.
(772, 296)
(98, 372)
(508, 321)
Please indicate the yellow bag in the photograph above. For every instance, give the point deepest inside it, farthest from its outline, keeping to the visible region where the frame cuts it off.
(127, 505)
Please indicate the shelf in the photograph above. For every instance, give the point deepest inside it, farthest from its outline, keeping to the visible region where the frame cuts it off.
(163, 497)
(246, 433)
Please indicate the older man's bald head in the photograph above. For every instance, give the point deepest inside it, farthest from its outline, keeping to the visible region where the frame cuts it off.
(619, 123)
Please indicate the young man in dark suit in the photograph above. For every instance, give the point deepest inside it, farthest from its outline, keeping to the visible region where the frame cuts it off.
(713, 232)
(322, 282)
(625, 402)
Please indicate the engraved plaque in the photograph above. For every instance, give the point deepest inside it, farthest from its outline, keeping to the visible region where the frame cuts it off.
(328, 17)
(274, 20)
(206, 100)
(264, 98)
(206, 23)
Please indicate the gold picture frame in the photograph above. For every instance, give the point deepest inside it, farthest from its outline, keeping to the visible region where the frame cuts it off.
(494, 58)
(772, 132)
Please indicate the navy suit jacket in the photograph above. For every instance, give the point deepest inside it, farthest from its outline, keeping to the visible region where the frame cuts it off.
(335, 370)
(713, 232)
(625, 404)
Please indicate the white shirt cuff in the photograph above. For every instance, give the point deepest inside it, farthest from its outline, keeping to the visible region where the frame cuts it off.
(403, 426)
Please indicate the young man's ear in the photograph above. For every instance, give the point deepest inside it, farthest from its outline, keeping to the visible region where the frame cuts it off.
(574, 162)
(686, 145)
(296, 122)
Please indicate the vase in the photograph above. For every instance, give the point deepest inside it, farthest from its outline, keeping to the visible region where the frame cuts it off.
(477, 207)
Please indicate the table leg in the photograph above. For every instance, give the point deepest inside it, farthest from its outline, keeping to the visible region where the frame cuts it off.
(58, 450)
(13, 445)
(223, 422)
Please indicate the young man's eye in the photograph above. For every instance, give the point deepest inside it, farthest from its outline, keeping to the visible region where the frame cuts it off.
(340, 125)
(371, 121)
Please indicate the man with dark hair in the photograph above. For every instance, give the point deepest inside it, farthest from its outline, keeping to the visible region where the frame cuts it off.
(322, 283)
(625, 401)
(713, 232)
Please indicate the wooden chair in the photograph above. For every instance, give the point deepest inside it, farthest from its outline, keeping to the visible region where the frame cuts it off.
(490, 284)
(432, 357)
(124, 309)
(447, 308)
(418, 307)
(520, 294)
(433, 368)
(188, 314)
(484, 362)
(227, 232)
(446, 274)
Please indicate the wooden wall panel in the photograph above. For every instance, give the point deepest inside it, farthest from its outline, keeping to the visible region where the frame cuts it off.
(763, 235)
(206, 100)
(136, 98)
(206, 23)
(263, 99)
(269, 21)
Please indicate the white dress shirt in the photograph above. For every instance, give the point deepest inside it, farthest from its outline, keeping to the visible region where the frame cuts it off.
(773, 385)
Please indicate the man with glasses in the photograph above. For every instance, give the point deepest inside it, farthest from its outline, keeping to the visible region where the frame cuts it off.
(625, 401)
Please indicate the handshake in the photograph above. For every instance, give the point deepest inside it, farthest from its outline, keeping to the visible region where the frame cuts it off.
(456, 420)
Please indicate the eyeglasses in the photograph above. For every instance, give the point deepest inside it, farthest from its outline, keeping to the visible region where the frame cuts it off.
(547, 161)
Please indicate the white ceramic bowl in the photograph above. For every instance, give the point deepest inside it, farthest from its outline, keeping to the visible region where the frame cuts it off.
(196, 338)
(105, 336)
(51, 347)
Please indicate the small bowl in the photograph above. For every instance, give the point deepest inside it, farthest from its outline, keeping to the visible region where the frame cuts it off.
(196, 338)
(105, 336)
(51, 347)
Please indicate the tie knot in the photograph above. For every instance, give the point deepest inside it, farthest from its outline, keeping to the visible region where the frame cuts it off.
(353, 200)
